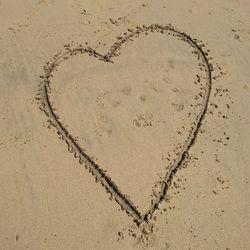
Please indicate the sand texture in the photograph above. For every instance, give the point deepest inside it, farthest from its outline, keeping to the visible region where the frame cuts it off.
(124, 125)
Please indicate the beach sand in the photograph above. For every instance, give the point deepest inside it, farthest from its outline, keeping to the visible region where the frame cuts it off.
(124, 124)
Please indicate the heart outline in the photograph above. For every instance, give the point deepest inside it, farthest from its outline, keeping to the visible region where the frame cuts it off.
(100, 174)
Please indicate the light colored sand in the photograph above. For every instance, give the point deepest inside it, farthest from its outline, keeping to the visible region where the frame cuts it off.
(129, 116)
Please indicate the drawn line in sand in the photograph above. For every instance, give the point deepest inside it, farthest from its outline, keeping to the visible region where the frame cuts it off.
(142, 220)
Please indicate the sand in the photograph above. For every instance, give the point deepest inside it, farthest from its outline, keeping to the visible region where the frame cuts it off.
(124, 125)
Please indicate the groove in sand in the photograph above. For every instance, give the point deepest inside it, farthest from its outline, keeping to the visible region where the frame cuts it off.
(100, 175)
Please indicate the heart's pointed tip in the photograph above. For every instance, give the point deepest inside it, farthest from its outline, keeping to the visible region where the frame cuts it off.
(146, 227)
(107, 58)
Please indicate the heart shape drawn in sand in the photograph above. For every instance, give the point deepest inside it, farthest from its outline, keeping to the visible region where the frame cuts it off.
(100, 174)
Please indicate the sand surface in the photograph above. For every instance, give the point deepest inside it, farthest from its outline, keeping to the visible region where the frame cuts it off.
(124, 124)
